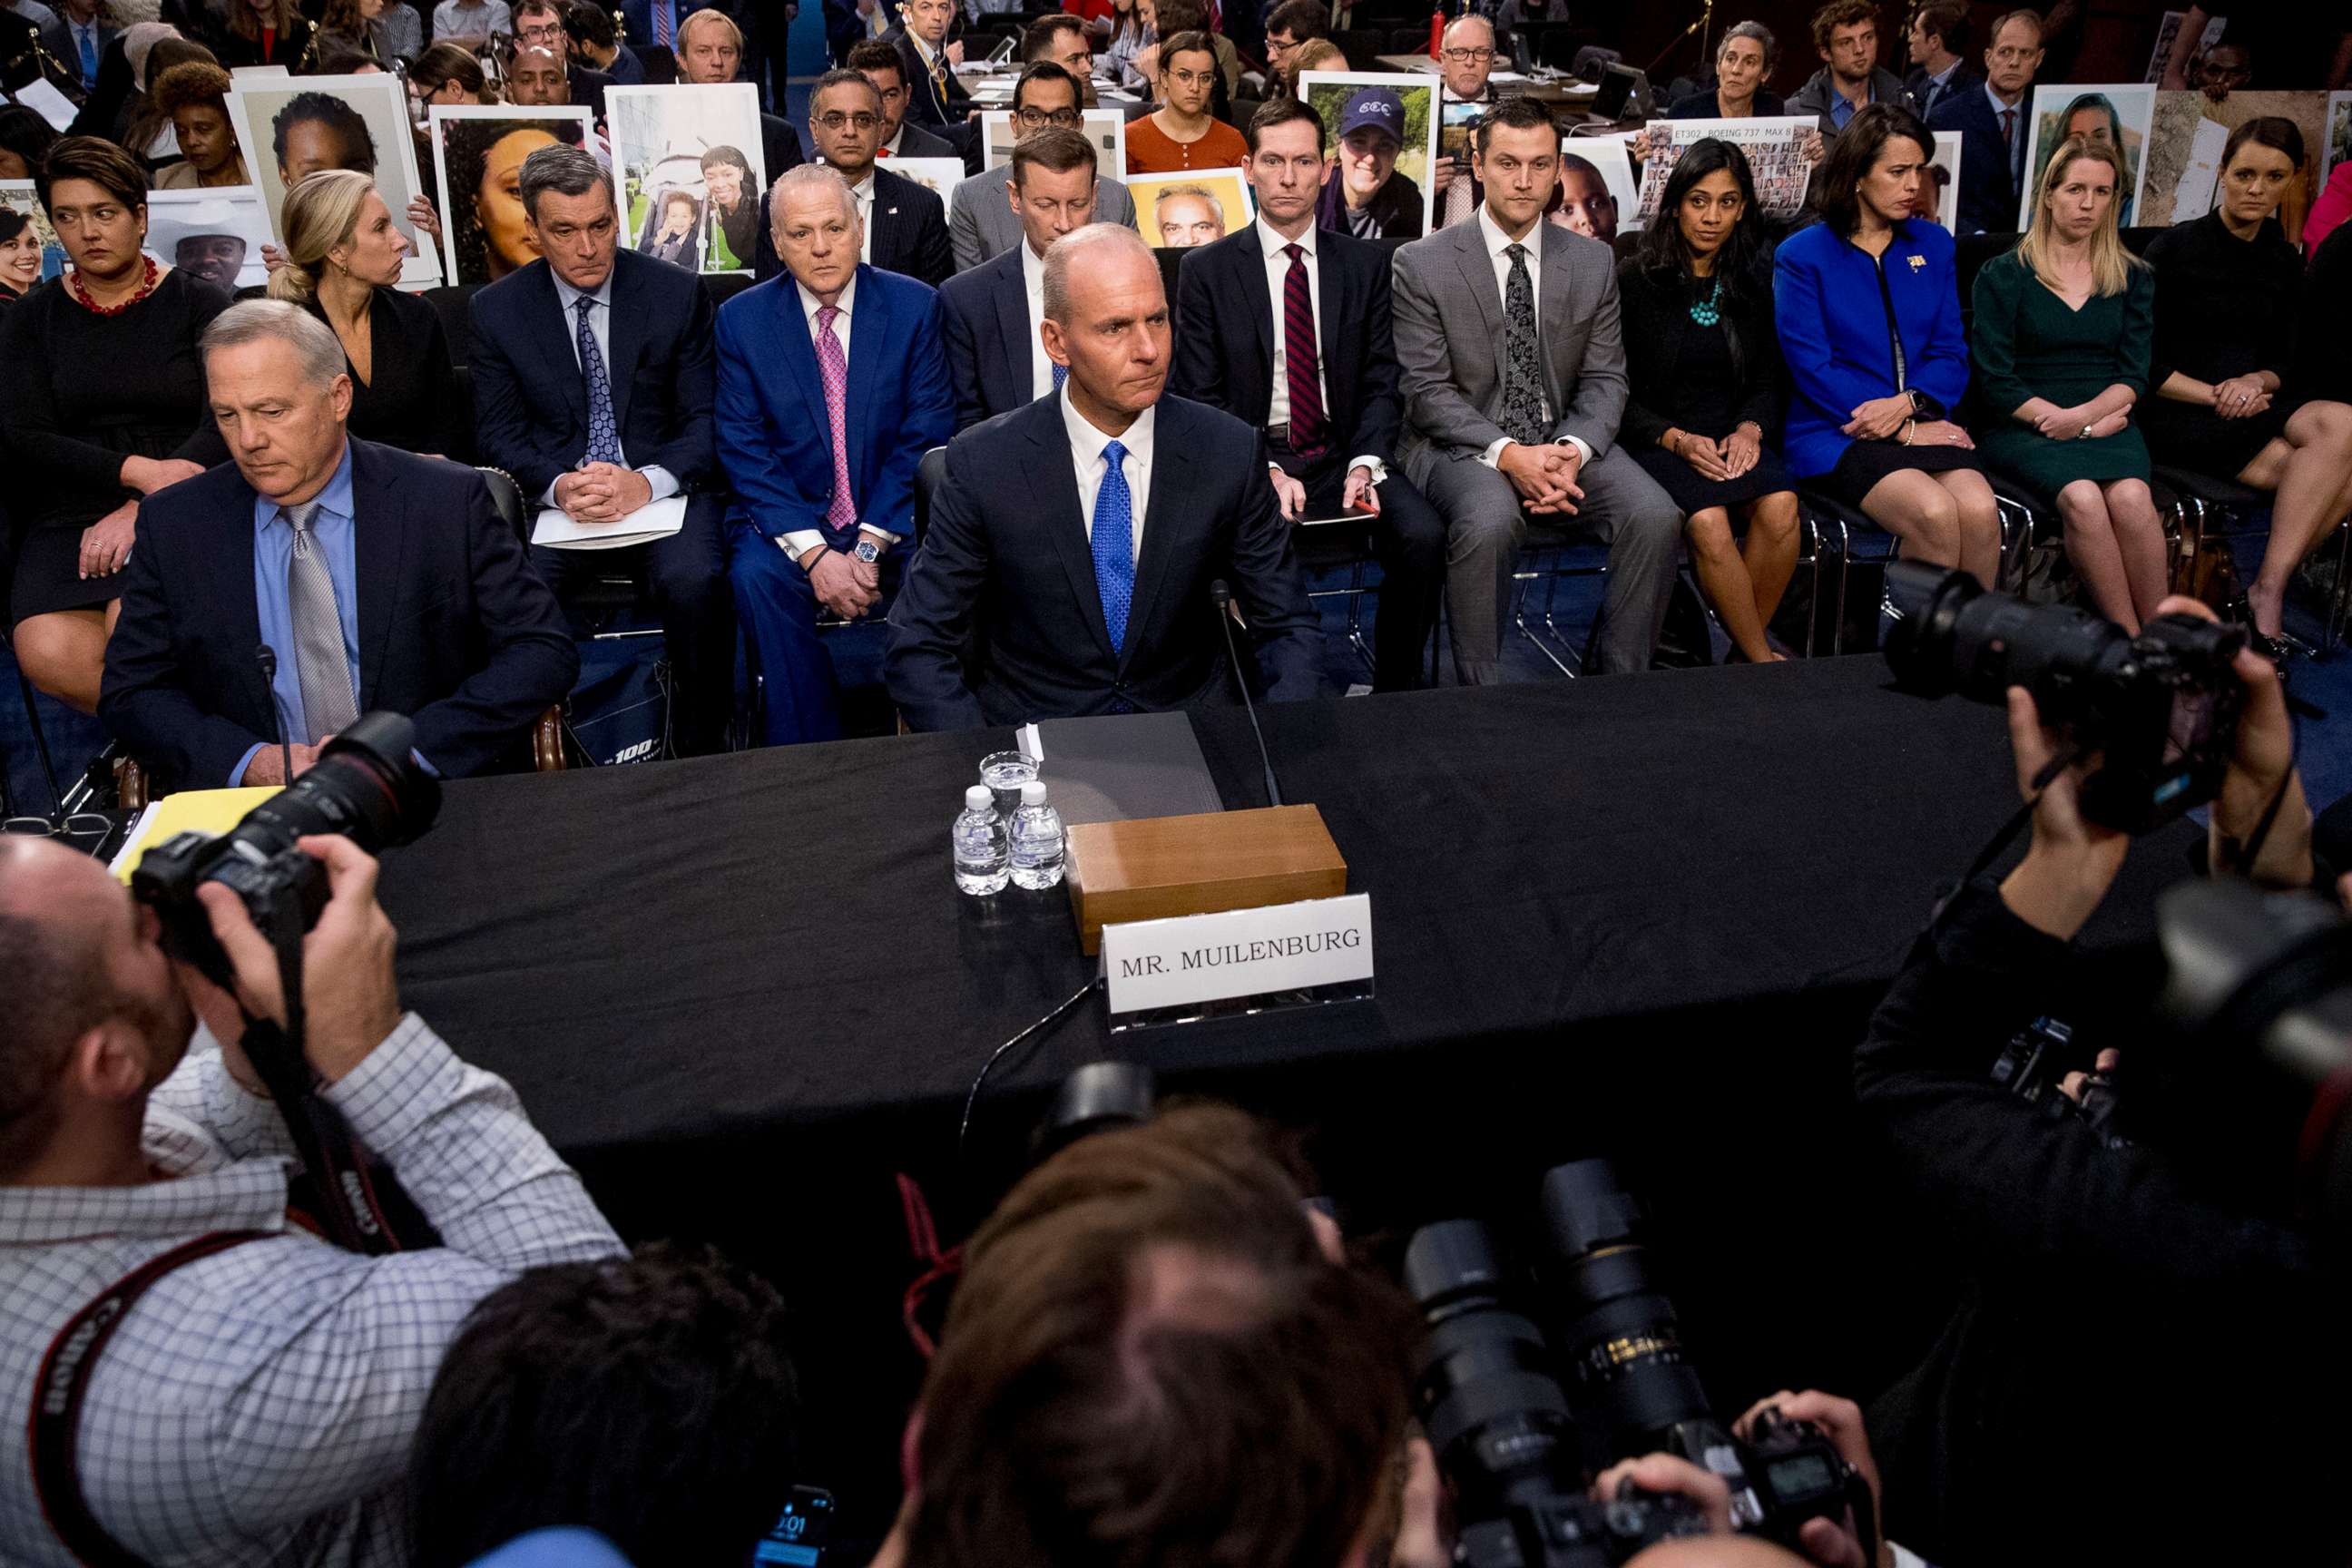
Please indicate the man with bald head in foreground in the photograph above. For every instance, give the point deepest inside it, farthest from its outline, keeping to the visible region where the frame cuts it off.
(1079, 534)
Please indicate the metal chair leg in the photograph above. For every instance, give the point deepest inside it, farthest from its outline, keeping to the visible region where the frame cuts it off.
(40, 741)
(1846, 567)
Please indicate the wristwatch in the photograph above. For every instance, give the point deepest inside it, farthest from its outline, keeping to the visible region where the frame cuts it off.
(867, 550)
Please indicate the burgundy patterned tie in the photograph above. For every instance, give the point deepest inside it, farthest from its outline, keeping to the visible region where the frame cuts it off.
(833, 369)
(1307, 438)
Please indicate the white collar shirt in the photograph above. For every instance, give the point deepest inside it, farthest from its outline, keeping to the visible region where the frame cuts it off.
(1086, 445)
(664, 484)
(862, 193)
(1032, 282)
(799, 541)
(1498, 245)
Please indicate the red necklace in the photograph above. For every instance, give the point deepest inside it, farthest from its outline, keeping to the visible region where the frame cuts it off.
(147, 281)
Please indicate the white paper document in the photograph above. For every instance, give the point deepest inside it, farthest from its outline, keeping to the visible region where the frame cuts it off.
(43, 100)
(654, 520)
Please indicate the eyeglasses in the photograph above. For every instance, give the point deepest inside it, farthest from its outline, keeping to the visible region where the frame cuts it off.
(1193, 78)
(84, 830)
(837, 120)
(544, 33)
(1469, 57)
(1066, 116)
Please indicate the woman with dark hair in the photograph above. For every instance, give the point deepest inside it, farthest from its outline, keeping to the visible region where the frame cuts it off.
(1704, 366)
(492, 232)
(448, 73)
(2093, 117)
(194, 97)
(669, 237)
(1743, 65)
(144, 125)
(382, 31)
(20, 256)
(2226, 298)
(1869, 419)
(317, 130)
(105, 392)
(261, 33)
(25, 139)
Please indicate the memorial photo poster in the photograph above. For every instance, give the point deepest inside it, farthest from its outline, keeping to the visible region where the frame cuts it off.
(690, 168)
(937, 175)
(2188, 136)
(18, 196)
(478, 154)
(2117, 112)
(1940, 182)
(1106, 128)
(2339, 132)
(2168, 32)
(1365, 173)
(215, 235)
(296, 126)
(1197, 206)
(1775, 146)
(1598, 195)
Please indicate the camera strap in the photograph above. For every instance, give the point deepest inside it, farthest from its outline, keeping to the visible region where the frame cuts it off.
(2008, 832)
(63, 1381)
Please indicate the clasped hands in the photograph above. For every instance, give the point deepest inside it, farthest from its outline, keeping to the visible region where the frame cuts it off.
(2240, 397)
(1290, 495)
(602, 492)
(1883, 416)
(2070, 423)
(843, 585)
(1727, 458)
(1545, 476)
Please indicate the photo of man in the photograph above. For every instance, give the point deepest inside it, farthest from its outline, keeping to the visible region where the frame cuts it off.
(1188, 216)
(1373, 193)
(216, 258)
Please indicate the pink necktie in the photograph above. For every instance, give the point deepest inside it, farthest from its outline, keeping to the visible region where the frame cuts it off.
(832, 367)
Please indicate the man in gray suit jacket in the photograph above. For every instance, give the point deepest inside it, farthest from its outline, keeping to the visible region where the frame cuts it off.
(983, 223)
(1514, 377)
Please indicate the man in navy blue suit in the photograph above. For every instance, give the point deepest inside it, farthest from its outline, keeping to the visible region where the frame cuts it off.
(832, 386)
(593, 388)
(1287, 328)
(1992, 119)
(1078, 536)
(379, 580)
(997, 358)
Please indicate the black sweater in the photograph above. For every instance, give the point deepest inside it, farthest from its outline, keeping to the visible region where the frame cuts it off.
(1656, 308)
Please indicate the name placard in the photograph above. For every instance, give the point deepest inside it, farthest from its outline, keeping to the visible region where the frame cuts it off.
(1237, 952)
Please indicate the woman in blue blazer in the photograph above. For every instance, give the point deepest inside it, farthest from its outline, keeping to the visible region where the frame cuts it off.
(1869, 315)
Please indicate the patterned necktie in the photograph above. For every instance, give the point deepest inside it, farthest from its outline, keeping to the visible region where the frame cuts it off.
(2008, 140)
(1114, 545)
(1523, 399)
(1298, 358)
(603, 435)
(833, 369)
(661, 23)
(323, 673)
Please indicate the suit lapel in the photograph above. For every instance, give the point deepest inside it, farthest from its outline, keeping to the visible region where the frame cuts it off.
(1258, 297)
(1331, 283)
(1478, 275)
(1013, 320)
(1054, 486)
(234, 562)
(553, 327)
(867, 331)
(1558, 248)
(379, 527)
(626, 336)
(799, 352)
(1173, 478)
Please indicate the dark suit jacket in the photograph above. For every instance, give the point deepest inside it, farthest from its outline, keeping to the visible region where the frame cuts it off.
(1965, 77)
(913, 142)
(1007, 556)
(984, 314)
(1989, 194)
(57, 38)
(1224, 356)
(924, 104)
(456, 630)
(531, 402)
(586, 88)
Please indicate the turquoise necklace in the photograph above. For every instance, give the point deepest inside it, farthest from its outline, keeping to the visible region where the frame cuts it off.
(1710, 310)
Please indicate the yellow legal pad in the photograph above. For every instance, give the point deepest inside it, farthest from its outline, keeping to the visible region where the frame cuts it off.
(190, 811)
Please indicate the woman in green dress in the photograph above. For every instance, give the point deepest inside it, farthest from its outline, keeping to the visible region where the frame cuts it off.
(2063, 329)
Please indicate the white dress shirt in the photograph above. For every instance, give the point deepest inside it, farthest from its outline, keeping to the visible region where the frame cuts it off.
(600, 327)
(801, 540)
(1087, 445)
(1497, 243)
(1277, 280)
(1041, 364)
(862, 193)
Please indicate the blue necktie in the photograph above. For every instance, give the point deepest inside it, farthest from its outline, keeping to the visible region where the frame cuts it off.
(1114, 545)
(89, 37)
(603, 435)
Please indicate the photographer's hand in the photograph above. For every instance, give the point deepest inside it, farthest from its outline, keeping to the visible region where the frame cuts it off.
(1663, 1473)
(1839, 1420)
(2263, 761)
(350, 998)
(2072, 862)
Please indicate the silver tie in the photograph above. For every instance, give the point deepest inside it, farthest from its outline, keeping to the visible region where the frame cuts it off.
(327, 706)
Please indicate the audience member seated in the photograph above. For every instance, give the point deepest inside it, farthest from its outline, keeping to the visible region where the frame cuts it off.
(539, 79)
(471, 21)
(1178, 134)
(938, 101)
(541, 24)
(259, 1402)
(1173, 16)
(878, 63)
(1704, 367)
(1365, 195)
(1872, 392)
(102, 390)
(79, 38)
(1466, 62)
(1494, 438)
(649, 1399)
(1845, 35)
(595, 39)
(825, 487)
(990, 316)
(1151, 1359)
(1061, 39)
(2227, 288)
(1744, 62)
(2324, 371)
(1316, 55)
(1288, 26)
(343, 265)
(1937, 39)
(1078, 537)
(1287, 328)
(142, 127)
(385, 32)
(20, 256)
(904, 225)
(259, 33)
(194, 97)
(447, 73)
(711, 53)
(25, 139)
(380, 580)
(1993, 123)
(985, 221)
(1131, 33)
(2061, 327)
(594, 382)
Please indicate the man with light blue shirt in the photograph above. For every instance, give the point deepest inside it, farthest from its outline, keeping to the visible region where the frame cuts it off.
(79, 38)
(357, 576)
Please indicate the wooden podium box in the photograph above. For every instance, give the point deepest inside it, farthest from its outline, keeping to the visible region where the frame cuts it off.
(1156, 867)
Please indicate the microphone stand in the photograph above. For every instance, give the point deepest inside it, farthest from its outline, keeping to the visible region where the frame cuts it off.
(1221, 598)
(1704, 23)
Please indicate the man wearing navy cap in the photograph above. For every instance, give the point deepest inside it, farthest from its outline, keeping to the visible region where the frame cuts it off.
(1370, 199)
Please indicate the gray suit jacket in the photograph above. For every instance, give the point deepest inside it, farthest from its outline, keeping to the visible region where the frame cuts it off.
(1450, 337)
(981, 223)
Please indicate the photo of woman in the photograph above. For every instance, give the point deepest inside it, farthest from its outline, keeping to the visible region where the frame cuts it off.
(478, 154)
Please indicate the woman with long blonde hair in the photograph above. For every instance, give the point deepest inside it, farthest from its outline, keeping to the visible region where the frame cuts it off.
(2064, 327)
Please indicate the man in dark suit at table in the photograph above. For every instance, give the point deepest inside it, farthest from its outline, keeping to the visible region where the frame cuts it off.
(879, 63)
(593, 388)
(1514, 380)
(832, 386)
(380, 580)
(1078, 536)
(905, 226)
(1994, 121)
(995, 356)
(1287, 329)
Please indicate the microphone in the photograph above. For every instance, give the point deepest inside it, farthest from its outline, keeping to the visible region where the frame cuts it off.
(267, 657)
(1221, 599)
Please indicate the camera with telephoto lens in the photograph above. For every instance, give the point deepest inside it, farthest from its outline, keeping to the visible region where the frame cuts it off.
(1500, 1423)
(2160, 709)
(2037, 1060)
(1634, 1383)
(366, 786)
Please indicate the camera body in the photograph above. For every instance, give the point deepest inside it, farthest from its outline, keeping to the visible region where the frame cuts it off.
(2161, 708)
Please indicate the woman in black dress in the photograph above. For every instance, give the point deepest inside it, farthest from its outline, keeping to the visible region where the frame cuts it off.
(343, 259)
(1705, 367)
(2227, 289)
(102, 395)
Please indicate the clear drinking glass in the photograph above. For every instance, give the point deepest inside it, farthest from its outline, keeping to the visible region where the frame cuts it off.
(1004, 772)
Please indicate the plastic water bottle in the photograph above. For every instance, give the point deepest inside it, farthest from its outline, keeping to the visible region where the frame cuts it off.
(980, 845)
(1036, 840)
